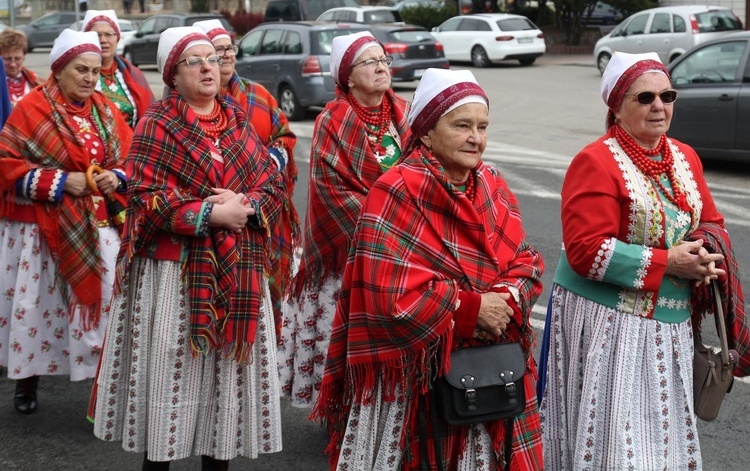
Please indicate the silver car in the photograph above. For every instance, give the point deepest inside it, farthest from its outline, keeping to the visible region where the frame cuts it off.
(667, 31)
(712, 111)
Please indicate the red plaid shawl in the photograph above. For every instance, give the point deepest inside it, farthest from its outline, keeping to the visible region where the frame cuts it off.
(39, 134)
(419, 241)
(273, 127)
(169, 166)
(343, 167)
(137, 84)
(716, 240)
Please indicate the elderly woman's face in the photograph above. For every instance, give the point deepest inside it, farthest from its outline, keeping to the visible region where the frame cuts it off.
(198, 83)
(13, 60)
(459, 139)
(77, 80)
(227, 59)
(373, 77)
(646, 123)
(107, 40)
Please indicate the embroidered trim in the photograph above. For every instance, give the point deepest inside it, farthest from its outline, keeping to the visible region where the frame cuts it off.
(601, 261)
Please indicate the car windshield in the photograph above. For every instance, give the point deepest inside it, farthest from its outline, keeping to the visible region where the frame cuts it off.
(515, 24)
(381, 16)
(721, 20)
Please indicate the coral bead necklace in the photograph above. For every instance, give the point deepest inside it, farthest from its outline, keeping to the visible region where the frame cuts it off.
(379, 120)
(652, 168)
(214, 123)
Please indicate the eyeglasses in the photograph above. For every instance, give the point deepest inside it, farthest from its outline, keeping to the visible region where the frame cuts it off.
(372, 63)
(197, 61)
(646, 98)
(222, 50)
(108, 35)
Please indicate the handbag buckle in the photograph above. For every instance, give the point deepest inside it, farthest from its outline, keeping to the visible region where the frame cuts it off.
(470, 394)
(510, 386)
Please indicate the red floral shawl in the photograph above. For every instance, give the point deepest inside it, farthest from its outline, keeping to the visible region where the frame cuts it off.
(39, 134)
(419, 241)
(170, 167)
(343, 167)
(272, 127)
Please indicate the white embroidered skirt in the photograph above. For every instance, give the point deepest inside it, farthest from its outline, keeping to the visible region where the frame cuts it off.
(154, 394)
(37, 336)
(305, 335)
(619, 391)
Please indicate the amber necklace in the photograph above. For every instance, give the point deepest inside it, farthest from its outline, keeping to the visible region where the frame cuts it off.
(214, 123)
(652, 168)
(379, 119)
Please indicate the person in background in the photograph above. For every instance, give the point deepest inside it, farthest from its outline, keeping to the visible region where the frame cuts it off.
(189, 365)
(120, 81)
(127, 6)
(13, 49)
(59, 229)
(642, 240)
(5, 108)
(357, 137)
(272, 127)
(439, 262)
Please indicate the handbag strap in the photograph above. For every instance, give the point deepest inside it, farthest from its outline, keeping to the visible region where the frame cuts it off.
(721, 329)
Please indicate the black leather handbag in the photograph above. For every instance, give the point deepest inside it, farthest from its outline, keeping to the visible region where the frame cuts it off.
(484, 384)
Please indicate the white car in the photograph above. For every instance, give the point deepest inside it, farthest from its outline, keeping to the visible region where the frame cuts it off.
(485, 38)
(366, 14)
(667, 31)
(127, 30)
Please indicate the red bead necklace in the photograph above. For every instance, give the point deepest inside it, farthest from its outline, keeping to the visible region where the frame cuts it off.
(652, 168)
(109, 74)
(214, 123)
(470, 186)
(380, 119)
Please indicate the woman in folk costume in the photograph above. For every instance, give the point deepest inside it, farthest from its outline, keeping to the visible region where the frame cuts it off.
(189, 366)
(439, 262)
(272, 127)
(59, 240)
(357, 137)
(13, 49)
(642, 239)
(120, 81)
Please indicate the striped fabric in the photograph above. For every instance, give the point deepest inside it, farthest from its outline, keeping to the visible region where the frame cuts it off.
(172, 168)
(418, 243)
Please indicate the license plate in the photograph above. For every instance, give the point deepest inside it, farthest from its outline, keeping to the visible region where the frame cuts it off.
(418, 73)
(525, 40)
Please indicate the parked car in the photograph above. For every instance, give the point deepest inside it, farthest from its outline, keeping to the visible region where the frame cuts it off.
(401, 4)
(604, 14)
(367, 14)
(43, 31)
(292, 60)
(668, 31)
(485, 38)
(302, 10)
(712, 111)
(413, 49)
(127, 30)
(141, 48)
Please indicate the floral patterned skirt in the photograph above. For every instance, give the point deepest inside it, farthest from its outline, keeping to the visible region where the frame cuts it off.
(37, 335)
(155, 394)
(305, 335)
(619, 391)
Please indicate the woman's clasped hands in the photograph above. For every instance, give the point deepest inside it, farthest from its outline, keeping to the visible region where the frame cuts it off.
(691, 261)
(231, 210)
(494, 315)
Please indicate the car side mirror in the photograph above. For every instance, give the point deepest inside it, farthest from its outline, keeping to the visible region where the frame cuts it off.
(239, 54)
(435, 29)
(138, 34)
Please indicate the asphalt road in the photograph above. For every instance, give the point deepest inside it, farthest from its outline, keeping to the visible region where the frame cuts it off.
(540, 117)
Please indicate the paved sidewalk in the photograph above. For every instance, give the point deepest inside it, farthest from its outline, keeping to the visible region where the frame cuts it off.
(567, 59)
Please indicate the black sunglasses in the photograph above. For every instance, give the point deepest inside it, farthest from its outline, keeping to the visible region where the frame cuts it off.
(646, 98)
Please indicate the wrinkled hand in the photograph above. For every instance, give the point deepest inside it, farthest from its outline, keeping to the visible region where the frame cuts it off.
(76, 185)
(232, 214)
(494, 315)
(691, 261)
(107, 182)
(222, 195)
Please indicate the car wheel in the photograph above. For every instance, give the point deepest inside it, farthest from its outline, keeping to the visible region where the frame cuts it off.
(602, 61)
(129, 57)
(290, 105)
(479, 57)
(527, 61)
